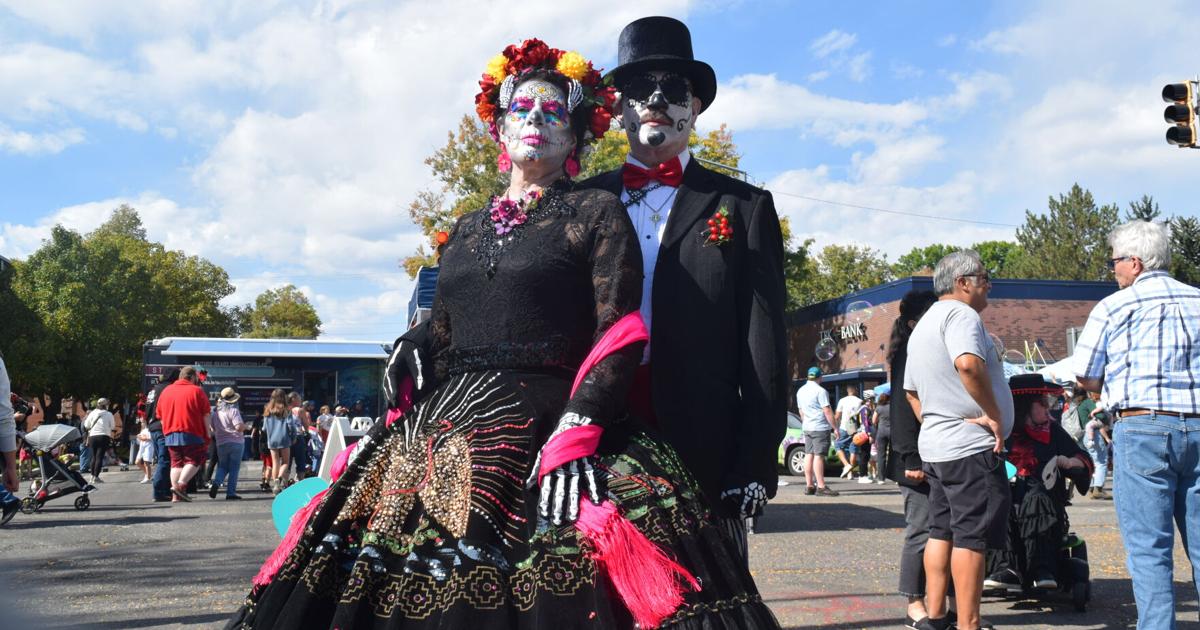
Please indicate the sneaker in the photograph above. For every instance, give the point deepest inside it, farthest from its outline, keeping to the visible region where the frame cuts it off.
(1099, 494)
(1044, 580)
(826, 492)
(276, 487)
(233, 497)
(929, 623)
(163, 499)
(145, 480)
(865, 480)
(212, 490)
(846, 472)
(880, 482)
(1005, 580)
(810, 490)
(10, 510)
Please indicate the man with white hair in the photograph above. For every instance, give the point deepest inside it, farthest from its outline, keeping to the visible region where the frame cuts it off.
(955, 383)
(1141, 349)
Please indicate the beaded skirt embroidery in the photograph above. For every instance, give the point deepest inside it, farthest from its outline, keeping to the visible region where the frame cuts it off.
(431, 526)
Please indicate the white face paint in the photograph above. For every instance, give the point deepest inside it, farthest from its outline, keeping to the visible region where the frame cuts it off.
(658, 113)
(536, 126)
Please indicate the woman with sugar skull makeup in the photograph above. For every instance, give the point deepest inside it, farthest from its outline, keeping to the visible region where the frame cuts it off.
(507, 489)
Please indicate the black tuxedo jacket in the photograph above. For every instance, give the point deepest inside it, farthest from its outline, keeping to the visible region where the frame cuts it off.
(718, 351)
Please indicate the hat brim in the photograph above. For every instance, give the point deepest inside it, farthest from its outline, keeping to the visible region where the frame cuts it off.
(702, 76)
(232, 399)
(1031, 391)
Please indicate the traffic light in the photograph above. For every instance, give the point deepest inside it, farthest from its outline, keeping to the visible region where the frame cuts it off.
(1181, 113)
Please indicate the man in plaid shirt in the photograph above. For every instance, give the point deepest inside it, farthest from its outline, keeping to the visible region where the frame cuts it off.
(1141, 349)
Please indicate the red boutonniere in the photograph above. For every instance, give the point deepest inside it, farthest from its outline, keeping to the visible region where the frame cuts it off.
(718, 232)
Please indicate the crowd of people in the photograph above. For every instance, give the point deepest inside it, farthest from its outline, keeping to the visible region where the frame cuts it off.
(545, 440)
(987, 465)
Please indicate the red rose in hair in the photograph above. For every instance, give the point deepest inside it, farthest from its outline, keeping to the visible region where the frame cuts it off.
(600, 121)
(533, 52)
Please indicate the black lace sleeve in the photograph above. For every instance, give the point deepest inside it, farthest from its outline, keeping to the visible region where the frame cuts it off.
(439, 315)
(616, 266)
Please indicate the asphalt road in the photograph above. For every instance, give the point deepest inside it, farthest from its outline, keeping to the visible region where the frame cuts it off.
(819, 562)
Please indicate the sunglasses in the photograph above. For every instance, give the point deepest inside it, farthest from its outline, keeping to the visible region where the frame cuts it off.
(1112, 262)
(983, 277)
(674, 88)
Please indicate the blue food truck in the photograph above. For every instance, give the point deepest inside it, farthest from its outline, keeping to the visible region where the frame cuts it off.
(326, 372)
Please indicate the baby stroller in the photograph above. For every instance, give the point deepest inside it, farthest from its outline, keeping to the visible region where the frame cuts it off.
(57, 479)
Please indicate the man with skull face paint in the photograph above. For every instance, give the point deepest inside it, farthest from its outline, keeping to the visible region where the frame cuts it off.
(714, 375)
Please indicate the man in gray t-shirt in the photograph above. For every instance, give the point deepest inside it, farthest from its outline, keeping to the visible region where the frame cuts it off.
(813, 402)
(955, 383)
(951, 329)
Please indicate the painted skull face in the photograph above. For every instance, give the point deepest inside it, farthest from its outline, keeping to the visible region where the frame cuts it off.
(536, 126)
(656, 109)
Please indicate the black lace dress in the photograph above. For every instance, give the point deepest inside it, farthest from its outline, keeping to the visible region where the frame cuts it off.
(431, 525)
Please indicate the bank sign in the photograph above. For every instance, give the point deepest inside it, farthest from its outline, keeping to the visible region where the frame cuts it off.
(850, 333)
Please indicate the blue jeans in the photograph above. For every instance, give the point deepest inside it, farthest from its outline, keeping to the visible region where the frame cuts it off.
(1156, 487)
(85, 457)
(229, 462)
(161, 481)
(1099, 453)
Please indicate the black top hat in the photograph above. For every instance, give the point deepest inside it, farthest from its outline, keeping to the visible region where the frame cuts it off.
(1027, 384)
(663, 43)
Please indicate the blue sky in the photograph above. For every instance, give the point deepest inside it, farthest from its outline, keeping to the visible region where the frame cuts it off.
(283, 140)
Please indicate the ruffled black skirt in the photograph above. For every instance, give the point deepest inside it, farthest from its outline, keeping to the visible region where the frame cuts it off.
(431, 526)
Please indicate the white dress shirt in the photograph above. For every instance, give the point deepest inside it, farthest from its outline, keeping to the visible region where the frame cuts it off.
(656, 205)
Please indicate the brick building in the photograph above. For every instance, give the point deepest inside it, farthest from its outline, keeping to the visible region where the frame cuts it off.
(848, 337)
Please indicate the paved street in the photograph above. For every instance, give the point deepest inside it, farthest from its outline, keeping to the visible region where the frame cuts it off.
(821, 563)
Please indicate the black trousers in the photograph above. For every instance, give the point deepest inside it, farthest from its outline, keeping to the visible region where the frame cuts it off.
(99, 445)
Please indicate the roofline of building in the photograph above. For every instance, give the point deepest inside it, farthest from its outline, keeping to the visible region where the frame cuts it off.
(166, 340)
(1002, 289)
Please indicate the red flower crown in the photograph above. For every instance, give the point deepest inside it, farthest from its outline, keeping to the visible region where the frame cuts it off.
(533, 54)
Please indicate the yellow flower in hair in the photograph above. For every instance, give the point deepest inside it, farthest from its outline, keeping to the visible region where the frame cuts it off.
(572, 65)
(496, 67)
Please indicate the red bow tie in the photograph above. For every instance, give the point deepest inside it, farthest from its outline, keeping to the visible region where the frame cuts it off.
(670, 173)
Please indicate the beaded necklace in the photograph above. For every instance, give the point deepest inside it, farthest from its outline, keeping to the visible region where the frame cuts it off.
(505, 222)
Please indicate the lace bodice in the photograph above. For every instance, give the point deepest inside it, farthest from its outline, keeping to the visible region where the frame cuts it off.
(540, 296)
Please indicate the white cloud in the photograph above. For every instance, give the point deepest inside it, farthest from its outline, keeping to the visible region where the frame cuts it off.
(832, 42)
(818, 76)
(946, 41)
(25, 143)
(857, 67)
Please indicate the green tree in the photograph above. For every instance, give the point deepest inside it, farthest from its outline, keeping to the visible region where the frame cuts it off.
(1144, 209)
(606, 154)
(998, 257)
(1068, 243)
(93, 300)
(1185, 250)
(838, 270)
(921, 260)
(283, 313)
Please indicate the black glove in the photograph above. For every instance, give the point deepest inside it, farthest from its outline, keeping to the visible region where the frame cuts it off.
(747, 501)
(408, 360)
(561, 488)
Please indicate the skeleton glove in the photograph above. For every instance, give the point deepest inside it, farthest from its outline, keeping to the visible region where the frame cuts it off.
(564, 487)
(747, 501)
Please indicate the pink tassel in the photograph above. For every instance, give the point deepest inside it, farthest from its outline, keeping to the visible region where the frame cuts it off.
(571, 166)
(648, 581)
(503, 162)
(289, 542)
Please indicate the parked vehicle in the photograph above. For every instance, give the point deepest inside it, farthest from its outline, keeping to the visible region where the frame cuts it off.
(791, 449)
